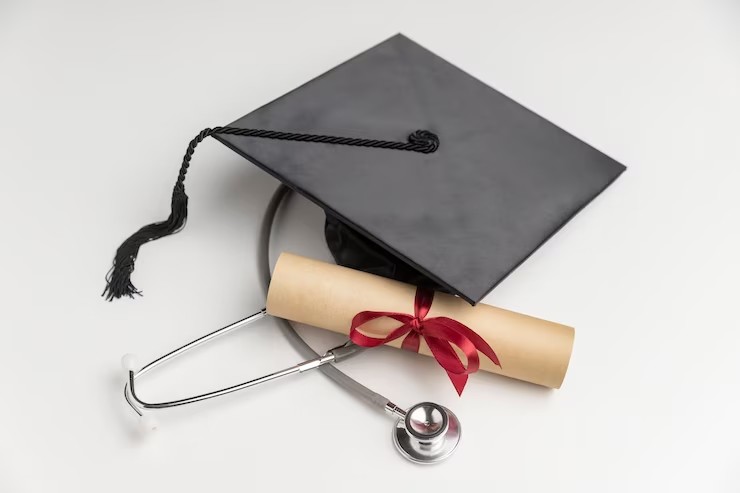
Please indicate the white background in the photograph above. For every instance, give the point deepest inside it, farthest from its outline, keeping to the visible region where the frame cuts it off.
(97, 103)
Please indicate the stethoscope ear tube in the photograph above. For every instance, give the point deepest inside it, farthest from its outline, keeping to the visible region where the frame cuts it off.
(128, 360)
(427, 433)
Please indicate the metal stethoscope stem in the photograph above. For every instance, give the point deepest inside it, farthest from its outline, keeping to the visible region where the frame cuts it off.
(129, 363)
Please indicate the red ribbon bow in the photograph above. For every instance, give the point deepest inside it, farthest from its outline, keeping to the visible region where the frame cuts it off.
(439, 332)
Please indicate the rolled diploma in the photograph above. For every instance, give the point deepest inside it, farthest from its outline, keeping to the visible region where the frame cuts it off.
(329, 296)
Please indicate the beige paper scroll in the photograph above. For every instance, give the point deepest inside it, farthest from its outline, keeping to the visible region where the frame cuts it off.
(329, 296)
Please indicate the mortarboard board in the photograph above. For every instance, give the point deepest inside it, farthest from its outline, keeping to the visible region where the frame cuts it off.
(489, 183)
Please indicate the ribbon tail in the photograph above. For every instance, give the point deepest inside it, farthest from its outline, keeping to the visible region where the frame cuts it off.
(450, 361)
(459, 380)
(479, 343)
(437, 329)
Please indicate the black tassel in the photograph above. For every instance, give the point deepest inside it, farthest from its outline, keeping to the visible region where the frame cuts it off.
(118, 279)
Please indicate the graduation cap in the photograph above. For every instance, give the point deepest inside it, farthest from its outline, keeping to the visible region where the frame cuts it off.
(483, 181)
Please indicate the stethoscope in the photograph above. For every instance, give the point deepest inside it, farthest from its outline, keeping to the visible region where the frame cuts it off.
(425, 433)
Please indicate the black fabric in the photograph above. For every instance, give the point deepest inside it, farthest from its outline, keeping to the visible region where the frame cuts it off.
(353, 250)
(502, 182)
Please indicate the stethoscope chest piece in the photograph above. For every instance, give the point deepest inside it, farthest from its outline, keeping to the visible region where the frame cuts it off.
(429, 433)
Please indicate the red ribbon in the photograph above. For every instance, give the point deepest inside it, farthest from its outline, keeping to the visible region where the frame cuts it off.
(439, 332)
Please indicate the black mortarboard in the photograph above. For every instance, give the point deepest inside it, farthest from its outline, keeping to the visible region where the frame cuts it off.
(489, 183)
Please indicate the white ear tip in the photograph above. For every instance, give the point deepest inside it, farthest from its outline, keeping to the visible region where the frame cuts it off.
(147, 423)
(130, 362)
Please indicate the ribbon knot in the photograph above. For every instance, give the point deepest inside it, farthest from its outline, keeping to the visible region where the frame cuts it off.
(440, 333)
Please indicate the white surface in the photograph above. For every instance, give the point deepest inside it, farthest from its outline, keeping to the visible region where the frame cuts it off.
(97, 103)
